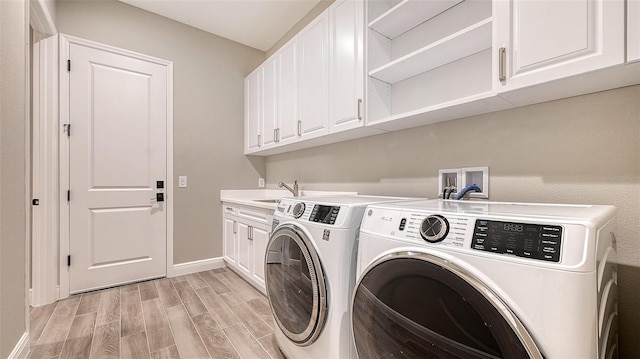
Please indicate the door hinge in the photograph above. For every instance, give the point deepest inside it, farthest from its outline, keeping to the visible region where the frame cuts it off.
(68, 261)
(67, 128)
(68, 195)
(68, 65)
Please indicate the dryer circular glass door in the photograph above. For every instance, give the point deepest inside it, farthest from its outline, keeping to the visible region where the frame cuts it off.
(417, 305)
(295, 284)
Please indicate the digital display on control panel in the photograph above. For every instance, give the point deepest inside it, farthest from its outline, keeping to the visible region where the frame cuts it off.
(324, 214)
(536, 241)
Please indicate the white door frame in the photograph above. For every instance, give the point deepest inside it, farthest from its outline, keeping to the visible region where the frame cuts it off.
(43, 179)
(44, 162)
(65, 41)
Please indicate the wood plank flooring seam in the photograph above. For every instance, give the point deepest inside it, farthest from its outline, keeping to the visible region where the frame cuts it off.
(265, 348)
(144, 322)
(227, 308)
(45, 324)
(230, 341)
(184, 309)
(198, 332)
(69, 329)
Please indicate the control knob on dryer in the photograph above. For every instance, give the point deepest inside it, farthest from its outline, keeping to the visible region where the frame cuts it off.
(298, 210)
(434, 228)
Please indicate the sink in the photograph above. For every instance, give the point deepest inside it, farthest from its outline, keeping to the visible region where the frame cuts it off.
(267, 200)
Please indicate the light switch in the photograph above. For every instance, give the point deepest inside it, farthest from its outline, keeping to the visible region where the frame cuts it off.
(261, 182)
(182, 181)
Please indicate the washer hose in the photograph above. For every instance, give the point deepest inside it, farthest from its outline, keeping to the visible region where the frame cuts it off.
(472, 187)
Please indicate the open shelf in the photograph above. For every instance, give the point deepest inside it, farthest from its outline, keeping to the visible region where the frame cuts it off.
(463, 43)
(408, 14)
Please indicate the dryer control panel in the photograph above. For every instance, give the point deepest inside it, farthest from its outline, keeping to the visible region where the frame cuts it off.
(535, 241)
(324, 214)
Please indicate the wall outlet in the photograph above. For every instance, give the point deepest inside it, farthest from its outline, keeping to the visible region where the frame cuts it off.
(261, 182)
(182, 181)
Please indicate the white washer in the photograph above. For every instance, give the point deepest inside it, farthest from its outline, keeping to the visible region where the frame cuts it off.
(310, 273)
(463, 279)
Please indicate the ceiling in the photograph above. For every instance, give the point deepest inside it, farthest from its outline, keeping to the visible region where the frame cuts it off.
(255, 23)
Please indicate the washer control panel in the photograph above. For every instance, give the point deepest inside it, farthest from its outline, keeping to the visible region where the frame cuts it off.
(298, 209)
(434, 228)
(535, 241)
(324, 214)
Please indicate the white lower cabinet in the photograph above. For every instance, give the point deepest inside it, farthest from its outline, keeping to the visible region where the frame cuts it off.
(229, 240)
(259, 239)
(246, 232)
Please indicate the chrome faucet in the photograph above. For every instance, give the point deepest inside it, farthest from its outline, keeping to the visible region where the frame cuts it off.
(293, 190)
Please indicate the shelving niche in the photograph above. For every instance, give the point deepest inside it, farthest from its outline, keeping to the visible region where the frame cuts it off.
(427, 57)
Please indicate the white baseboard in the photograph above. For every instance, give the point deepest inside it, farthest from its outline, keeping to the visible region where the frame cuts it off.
(21, 349)
(197, 266)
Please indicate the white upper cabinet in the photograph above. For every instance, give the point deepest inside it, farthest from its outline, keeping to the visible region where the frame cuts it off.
(269, 103)
(313, 75)
(633, 30)
(429, 61)
(253, 111)
(288, 93)
(347, 64)
(540, 41)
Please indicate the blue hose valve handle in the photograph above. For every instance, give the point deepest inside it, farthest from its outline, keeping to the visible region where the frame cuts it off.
(473, 187)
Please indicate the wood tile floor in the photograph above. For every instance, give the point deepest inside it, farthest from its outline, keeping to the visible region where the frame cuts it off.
(213, 314)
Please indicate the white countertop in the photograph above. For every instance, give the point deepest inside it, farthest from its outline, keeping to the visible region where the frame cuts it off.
(253, 197)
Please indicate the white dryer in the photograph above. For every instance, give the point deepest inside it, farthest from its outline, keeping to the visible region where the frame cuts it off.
(463, 279)
(310, 273)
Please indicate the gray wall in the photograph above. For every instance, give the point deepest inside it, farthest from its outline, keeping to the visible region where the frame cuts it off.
(13, 82)
(208, 109)
(578, 150)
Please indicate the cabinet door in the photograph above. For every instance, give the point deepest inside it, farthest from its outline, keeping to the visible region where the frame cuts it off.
(314, 78)
(244, 248)
(288, 93)
(229, 244)
(260, 240)
(547, 40)
(633, 30)
(252, 111)
(347, 65)
(269, 102)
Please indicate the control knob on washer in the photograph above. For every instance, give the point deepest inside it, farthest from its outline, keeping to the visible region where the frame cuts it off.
(434, 228)
(298, 210)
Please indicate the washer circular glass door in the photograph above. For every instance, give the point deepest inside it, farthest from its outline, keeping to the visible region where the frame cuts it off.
(295, 284)
(417, 305)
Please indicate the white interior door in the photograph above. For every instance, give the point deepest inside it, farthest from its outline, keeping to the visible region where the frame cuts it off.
(117, 152)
